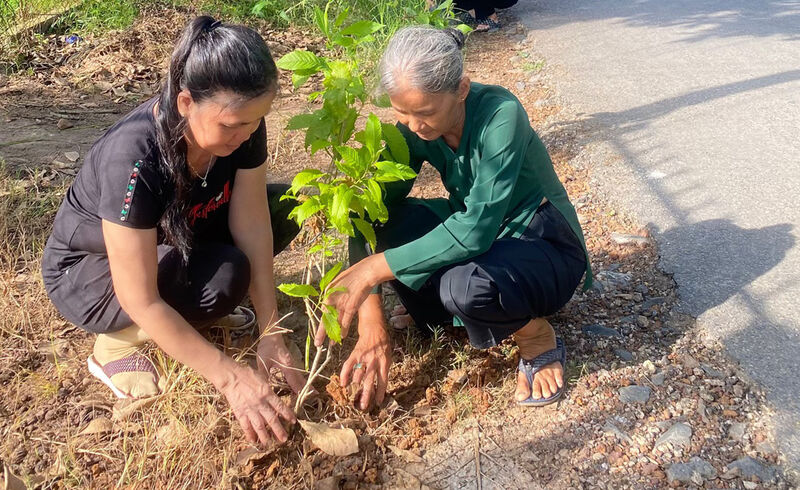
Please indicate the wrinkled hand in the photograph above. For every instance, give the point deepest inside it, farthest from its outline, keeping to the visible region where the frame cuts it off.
(272, 352)
(257, 408)
(357, 282)
(373, 352)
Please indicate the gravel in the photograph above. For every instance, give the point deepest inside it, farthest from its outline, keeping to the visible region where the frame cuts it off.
(634, 394)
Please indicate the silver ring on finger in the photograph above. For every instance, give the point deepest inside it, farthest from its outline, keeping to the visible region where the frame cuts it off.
(358, 366)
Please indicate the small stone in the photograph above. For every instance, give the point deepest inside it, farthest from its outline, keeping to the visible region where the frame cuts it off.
(736, 431)
(652, 302)
(642, 321)
(766, 448)
(749, 485)
(72, 156)
(696, 471)
(610, 280)
(658, 378)
(520, 86)
(624, 355)
(634, 394)
(679, 435)
(748, 468)
(63, 124)
(615, 431)
(710, 371)
(596, 329)
(649, 366)
(689, 361)
(738, 390)
(624, 239)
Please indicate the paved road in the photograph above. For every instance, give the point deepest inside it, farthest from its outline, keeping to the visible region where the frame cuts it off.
(701, 99)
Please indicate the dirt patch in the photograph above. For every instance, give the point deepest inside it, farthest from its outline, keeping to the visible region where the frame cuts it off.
(636, 368)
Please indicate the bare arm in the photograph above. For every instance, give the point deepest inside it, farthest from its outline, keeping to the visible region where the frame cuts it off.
(250, 226)
(133, 259)
(249, 222)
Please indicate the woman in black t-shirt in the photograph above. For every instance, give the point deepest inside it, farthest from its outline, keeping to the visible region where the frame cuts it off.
(167, 226)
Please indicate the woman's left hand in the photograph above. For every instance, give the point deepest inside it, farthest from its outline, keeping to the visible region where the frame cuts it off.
(272, 352)
(357, 282)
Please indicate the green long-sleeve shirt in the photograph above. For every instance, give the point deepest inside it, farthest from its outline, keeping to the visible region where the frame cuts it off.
(497, 178)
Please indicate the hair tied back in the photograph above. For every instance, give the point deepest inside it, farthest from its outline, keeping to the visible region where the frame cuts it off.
(457, 36)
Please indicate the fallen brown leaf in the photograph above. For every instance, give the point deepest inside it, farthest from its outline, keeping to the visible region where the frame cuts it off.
(98, 426)
(336, 442)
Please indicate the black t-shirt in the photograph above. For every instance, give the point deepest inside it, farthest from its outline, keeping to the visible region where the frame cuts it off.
(122, 181)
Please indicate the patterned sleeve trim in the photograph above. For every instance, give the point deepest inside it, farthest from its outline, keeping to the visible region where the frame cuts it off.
(132, 180)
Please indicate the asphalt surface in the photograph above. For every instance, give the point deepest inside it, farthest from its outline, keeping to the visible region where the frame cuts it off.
(696, 104)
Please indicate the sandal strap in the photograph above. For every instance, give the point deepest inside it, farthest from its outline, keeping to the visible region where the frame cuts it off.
(532, 366)
(130, 364)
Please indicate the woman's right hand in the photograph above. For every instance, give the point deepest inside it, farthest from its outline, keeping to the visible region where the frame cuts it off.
(256, 406)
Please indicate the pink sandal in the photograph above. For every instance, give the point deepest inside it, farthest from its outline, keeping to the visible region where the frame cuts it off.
(135, 362)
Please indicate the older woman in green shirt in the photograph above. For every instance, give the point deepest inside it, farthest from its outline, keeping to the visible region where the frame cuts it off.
(503, 251)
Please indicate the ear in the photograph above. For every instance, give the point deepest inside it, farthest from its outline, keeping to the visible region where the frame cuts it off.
(185, 102)
(463, 88)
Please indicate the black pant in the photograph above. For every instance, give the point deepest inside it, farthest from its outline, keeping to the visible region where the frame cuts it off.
(484, 8)
(498, 292)
(212, 283)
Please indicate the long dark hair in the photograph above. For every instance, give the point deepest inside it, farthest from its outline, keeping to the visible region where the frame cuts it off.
(209, 57)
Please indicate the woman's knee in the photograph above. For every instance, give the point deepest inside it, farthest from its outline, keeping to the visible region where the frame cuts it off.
(232, 279)
(467, 292)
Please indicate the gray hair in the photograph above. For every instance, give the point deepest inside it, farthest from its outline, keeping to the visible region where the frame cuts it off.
(427, 58)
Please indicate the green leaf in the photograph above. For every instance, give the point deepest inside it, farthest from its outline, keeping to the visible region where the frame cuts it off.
(299, 60)
(340, 210)
(366, 230)
(330, 320)
(321, 19)
(318, 145)
(373, 202)
(396, 143)
(301, 121)
(305, 210)
(298, 290)
(339, 20)
(362, 28)
(349, 163)
(303, 178)
(328, 277)
(348, 125)
(393, 171)
(372, 133)
(464, 28)
(298, 80)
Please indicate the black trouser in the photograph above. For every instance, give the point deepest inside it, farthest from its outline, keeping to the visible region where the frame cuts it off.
(484, 8)
(212, 283)
(498, 292)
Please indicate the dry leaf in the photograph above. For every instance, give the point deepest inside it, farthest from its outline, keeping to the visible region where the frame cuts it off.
(171, 434)
(406, 455)
(253, 455)
(97, 426)
(127, 406)
(336, 442)
(12, 481)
